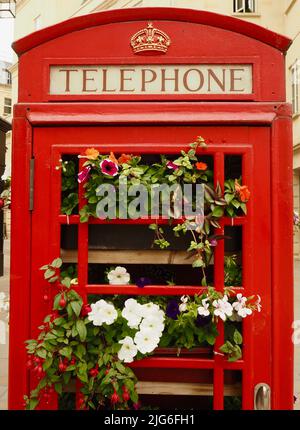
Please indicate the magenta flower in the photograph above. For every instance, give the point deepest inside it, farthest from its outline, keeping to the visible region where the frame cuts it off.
(109, 168)
(171, 165)
(213, 242)
(84, 174)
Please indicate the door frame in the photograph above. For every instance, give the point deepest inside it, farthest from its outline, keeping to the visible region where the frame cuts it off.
(277, 117)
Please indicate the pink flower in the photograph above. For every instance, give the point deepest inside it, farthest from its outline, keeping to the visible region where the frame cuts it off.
(109, 168)
(171, 165)
(84, 174)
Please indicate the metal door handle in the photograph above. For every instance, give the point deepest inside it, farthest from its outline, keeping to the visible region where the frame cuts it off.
(262, 397)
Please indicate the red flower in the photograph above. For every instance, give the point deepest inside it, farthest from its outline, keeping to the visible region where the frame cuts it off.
(108, 167)
(172, 166)
(201, 166)
(84, 174)
(125, 395)
(125, 159)
(85, 310)
(242, 192)
(115, 398)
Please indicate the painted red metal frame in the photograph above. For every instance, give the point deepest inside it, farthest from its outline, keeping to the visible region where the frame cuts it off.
(278, 118)
(251, 30)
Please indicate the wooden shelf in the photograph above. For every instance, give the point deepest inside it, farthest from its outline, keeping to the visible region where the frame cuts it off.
(154, 256)
(149, 290)
(74, 219)
(184, 389)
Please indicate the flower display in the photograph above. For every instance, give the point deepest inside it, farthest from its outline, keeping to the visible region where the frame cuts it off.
(102, 313)
(128, 350)
(109, 168)
(118, 276)
(97, 340)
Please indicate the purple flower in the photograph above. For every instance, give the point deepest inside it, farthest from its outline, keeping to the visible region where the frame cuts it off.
(171, 165)
(84, 174)
(172, 310)
(213, 242)
(109, 168)
(202, 321)
(142, 282)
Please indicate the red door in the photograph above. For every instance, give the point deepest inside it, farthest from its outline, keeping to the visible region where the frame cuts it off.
(239, 150)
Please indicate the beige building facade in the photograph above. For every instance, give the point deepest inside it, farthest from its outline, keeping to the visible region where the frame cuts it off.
(6, 105)
(281, 16)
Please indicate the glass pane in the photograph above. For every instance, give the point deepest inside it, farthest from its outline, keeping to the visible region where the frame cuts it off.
(233, 390)
(233, 256)
(69, 191)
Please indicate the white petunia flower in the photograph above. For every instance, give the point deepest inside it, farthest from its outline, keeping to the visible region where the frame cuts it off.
(154, 324)
(150, 309)
(223, 308)
(146, 341)
(102, 313)
(128, 350)
(240, 306)
(118, 276)
(132, 312)
(203, 310)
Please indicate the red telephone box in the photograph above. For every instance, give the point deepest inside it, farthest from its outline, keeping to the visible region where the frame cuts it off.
(95, 81)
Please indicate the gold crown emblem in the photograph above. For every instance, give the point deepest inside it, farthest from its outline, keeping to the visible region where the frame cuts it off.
(150, 39)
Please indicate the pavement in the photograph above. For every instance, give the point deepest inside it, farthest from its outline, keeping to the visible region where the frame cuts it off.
(4, 287)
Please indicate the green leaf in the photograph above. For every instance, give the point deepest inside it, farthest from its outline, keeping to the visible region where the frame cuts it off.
(198, 263)
(41, 353)
(76, 306)
(236, 203)
(218, 212)
(228, 197)
(47, 363)
(33, 403)
(57, 263)
(58, 388)
(49, 273)
(66, 351)
(81, 328)
(237, 337)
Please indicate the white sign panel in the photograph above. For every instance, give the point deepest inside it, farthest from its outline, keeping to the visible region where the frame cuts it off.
(152, 79)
